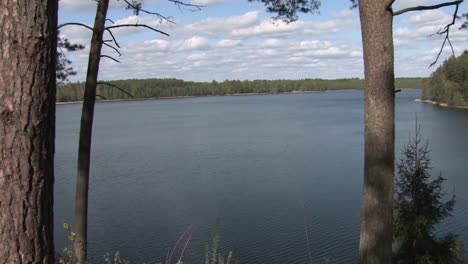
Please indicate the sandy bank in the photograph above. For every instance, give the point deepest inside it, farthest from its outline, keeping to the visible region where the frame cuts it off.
(126, 100)
(181, 97)
(440, 104)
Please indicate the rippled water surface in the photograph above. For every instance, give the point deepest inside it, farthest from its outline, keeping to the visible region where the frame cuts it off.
(260, 169)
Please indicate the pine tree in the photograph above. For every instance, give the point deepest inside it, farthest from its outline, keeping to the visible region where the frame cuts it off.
(64, 70)
(419, 208)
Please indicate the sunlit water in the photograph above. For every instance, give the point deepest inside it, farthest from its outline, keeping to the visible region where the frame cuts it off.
(261, 168)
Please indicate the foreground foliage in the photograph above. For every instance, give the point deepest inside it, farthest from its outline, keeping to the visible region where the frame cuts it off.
(213, 254)
(419, 208)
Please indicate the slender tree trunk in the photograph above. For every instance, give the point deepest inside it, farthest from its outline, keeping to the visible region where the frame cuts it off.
(28, 39)
(377, 222)
(84, 151)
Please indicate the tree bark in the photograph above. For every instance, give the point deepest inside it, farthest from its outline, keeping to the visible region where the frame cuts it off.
(28, 39)
(377, 222)
(84, 149)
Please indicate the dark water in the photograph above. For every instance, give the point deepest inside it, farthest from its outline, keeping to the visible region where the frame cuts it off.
(261, 168)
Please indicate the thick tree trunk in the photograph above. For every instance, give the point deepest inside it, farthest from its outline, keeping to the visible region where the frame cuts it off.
(28, 39)
(84, 151)
(376, 228)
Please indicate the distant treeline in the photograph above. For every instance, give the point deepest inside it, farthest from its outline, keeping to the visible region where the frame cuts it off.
(160, 88)
(449, 83)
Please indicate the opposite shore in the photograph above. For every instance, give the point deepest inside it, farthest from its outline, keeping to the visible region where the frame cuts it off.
(183, 97)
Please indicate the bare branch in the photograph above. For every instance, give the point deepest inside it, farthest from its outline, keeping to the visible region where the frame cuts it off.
(109, 57)
(75, 24)
(446, 31)
(116, 87)
(139, 9)
(101, 96)
(136, 25)
(110, 20)
(431, 7)
(440, 52)
(451, 46)
(113, 37)
(112, 47)
(180, 3)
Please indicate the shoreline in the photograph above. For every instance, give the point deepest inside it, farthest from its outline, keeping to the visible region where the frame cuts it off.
(184, 97)
(235, 94)
(125, 100)
(445, 105)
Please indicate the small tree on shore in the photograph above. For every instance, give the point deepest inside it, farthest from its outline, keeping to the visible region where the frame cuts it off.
(419, 208)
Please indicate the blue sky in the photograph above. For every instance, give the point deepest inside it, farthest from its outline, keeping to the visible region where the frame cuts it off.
(237, 39)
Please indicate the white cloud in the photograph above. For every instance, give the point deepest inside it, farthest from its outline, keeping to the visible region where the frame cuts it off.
(400, 4)
(312, 44)
(160, 43)
(271, 43)
(228, 43)
(83, 5)
(325, 52)
(344, 19)
(193, 43)
(344, 14)
(248, 45)
(268, 28)
(150, 21)
(421, 28)
(222, 25)
(243, 59)
(207, 2)
(429, 18)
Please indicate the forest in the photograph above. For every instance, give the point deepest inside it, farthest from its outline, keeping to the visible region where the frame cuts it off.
(161, 88)
(449, 83)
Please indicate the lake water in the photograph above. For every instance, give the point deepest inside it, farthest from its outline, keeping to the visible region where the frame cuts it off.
(259, 169)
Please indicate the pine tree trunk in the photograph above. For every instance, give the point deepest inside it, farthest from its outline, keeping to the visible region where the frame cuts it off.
(28, 40)
(84, 149)
(377, 222)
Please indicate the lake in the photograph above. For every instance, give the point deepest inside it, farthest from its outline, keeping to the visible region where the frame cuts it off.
(259, 171)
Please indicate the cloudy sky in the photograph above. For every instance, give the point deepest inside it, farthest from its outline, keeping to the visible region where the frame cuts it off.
(237, 39)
